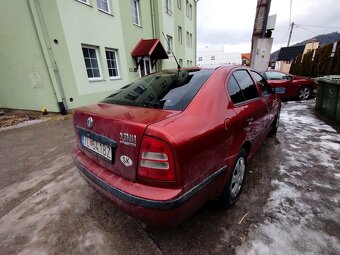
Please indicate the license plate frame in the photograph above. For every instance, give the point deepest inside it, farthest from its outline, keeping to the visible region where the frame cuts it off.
(103, 150)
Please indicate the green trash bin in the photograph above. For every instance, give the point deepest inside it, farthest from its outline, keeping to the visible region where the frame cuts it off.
(328, 96)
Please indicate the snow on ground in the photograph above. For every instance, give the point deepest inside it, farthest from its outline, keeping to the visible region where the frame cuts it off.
(302, 204)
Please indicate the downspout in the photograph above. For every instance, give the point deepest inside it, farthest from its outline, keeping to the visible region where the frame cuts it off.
(48, 56)
(152, 18)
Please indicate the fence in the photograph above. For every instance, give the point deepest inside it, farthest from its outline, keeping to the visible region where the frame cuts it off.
(320, 62)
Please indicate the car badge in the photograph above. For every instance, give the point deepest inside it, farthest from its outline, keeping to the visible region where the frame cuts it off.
(89, 122)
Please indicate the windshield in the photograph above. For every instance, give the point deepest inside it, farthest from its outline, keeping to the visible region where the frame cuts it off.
(168, 90)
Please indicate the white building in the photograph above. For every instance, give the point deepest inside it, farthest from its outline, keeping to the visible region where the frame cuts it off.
(213, 56)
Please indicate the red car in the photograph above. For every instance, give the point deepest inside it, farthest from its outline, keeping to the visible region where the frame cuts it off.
(161, 147)
(295, 86)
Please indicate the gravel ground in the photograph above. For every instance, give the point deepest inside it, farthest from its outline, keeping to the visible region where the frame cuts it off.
(289, 205)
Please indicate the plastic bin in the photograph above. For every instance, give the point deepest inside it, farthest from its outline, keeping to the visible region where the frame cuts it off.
(328, 96)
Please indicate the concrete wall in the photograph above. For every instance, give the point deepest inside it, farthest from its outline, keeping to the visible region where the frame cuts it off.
(25, 82)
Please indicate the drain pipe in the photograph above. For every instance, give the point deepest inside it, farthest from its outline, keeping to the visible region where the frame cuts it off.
(48, 55)
(152, 18)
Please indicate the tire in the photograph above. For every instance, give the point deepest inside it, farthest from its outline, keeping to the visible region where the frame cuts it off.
(235, 182)
(305, 93)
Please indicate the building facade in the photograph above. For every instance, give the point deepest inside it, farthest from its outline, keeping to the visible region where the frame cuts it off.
(214, 56)
(60, 55)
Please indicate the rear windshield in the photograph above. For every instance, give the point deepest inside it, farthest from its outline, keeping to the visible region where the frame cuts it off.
(168, 90)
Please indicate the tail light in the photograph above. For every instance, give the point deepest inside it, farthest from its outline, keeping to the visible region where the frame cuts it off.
(156, 160)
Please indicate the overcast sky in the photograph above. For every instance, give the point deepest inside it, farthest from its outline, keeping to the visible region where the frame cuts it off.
(230, 23)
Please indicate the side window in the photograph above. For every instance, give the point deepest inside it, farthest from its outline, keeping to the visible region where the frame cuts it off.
(264, 86)
(234, 91)
(246, 84)
(275, 76)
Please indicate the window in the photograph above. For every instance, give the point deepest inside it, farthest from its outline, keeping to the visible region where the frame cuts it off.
(189, 10)
(103, 5)
(145, 67)
(265, 88)
(188, 63)
(168, 7)
(246, 84)
(234, 91)
(179, 34)
(276, 76)
(200, 58)
(111, 58)
(135, 12)
(92, 63)
(168, 90)
(212, 57)
(180, 62)
(83, 1)
(169, 41)
(179, 4)
(190, 40)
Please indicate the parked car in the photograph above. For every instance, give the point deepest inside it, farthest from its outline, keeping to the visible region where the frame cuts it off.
(296, 86)
(162, 146)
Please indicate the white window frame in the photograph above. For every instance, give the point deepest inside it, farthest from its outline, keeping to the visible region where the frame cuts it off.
(167, 7)
(135, 5)
(179, 4)
(189, 9)
(84, 2)
(108, 6)
(180, 34)
(190, 40)
(170, 44)
(98, 61)
(117, 64)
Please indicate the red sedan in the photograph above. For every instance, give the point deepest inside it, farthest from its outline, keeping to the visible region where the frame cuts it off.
(161, 147)
(295, 86)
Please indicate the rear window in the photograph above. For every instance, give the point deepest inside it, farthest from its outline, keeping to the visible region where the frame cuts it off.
(168, 90)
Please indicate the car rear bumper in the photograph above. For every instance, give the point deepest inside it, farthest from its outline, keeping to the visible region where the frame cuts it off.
(152, 205)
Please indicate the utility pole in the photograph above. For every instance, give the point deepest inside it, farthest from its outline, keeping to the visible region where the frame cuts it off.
(261, 41)
(290, 33)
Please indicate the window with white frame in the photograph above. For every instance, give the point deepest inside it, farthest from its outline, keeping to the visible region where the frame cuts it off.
(179, 34)
(168, 7)
(135, 12)
(179, 4)
(188, 63)
(103, 5)
(112, 65)
(180, 62)
(83, 1)
(189, 9)
(187, 39)
(169, 41)
(190, 40)
(92, 62)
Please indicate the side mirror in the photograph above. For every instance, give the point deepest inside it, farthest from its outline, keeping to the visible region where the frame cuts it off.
(280, 90)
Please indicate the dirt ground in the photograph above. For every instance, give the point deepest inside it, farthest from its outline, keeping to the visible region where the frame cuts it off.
(289, 205)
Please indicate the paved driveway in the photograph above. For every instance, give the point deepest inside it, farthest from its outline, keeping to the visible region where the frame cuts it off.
(289, 205)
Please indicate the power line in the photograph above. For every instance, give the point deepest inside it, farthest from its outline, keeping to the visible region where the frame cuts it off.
(320, 26)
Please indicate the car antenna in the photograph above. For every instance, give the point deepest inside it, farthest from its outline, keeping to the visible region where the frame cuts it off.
(166, 39)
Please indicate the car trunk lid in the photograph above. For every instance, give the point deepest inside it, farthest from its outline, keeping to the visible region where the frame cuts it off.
(104, 127)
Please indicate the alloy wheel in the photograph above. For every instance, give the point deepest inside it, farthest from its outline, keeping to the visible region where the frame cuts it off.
(304, 93)
(238, 176)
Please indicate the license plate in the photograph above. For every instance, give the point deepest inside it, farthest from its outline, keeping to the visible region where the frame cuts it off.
(97, 147)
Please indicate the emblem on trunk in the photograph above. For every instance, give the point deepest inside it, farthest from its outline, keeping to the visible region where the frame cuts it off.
(127, 139)
(89, 122)
(126, 160)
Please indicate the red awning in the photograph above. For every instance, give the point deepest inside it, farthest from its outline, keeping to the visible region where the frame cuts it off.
(149, 47)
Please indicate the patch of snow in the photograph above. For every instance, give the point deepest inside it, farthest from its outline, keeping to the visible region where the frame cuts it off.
(24, 124)
(294, 203)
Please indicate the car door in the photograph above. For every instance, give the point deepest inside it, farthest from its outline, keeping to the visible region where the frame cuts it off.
(250, 109)
(266, 95)
(278, 79)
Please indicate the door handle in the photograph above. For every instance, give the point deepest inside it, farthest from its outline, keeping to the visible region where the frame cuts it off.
(250, 120)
